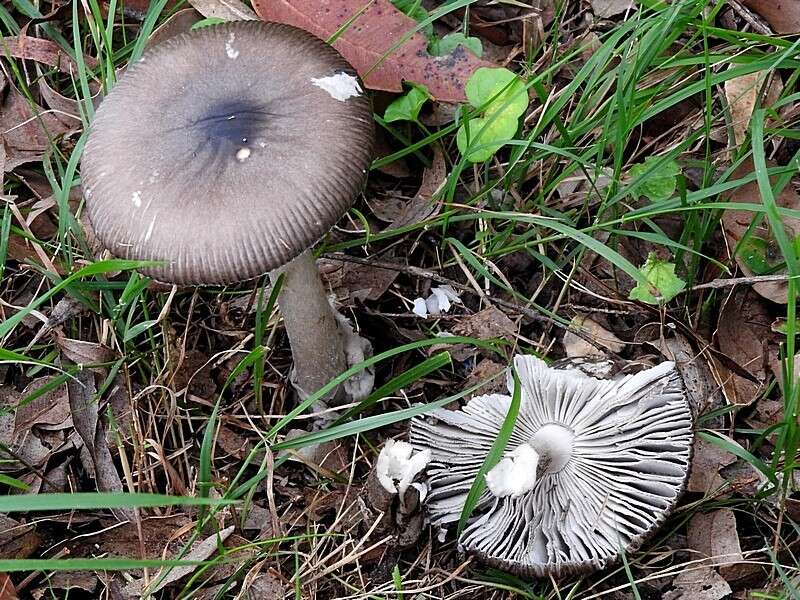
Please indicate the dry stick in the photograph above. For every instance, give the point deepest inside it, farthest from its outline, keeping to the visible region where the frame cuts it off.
(723, 283)
(755, 22)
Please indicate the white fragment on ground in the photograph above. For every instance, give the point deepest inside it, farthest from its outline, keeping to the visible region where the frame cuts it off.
(398, 464)
(340, 86)
(440, 301)
(515, 474)
(136, 198)
(243, 154)
(232, 52)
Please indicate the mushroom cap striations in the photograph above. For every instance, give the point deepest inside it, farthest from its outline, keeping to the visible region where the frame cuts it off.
(227, 151)
(612, 458)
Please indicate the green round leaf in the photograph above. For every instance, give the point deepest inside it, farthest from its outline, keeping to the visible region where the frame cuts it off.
(660, 181)
(497, 90)
(478, 139)
(663, 284)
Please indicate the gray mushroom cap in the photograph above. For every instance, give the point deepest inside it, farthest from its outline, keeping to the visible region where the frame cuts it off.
(227, 151)
(610, 460)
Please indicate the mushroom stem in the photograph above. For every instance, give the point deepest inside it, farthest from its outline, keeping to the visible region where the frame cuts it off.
(311, 325)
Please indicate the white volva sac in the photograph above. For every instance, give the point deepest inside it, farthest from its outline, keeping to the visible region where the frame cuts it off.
(398, 464)
(340, 86)
(592, 466)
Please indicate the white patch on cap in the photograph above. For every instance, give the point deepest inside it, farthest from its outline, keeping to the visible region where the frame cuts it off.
(232, 52)
(340, 86)
(243, 154)
(136, 198)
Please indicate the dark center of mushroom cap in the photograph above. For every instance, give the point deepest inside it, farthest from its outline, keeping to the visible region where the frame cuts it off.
(235, 122)
(554, 444)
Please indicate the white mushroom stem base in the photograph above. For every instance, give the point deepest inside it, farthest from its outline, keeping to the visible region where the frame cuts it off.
(321, 340)
(548, 451)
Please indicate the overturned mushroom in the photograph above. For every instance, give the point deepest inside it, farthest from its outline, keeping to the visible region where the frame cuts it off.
(591, 469)
(227, 153)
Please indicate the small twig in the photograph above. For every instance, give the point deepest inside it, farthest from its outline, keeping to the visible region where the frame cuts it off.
(751, 19)
(723, 283)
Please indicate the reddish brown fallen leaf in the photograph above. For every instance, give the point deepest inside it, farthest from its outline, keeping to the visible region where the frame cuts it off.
(42, 51)
(7, 590)
(782, 15)
(374, 33)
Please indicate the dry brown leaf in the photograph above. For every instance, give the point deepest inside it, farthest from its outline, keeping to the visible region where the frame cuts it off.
(782, 15)
(611, 8)
(377, 28)
(73, 580)
(487, 324)
(26, 131)
(575, 346)
(51, 408)
(160, 536)
(744, 335)
(227, 10)
(702, 583)
(421, 206)
(484, 370)
(707, 460)
(81, 352)
(202, 550)
(714, 535)
(7, 589)
(742, 94)
(41, 51)
(17, 540)
(736, 222)
(180, 22)
(263, 587)
(364, 282)
(702, 391)
(92, 430)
